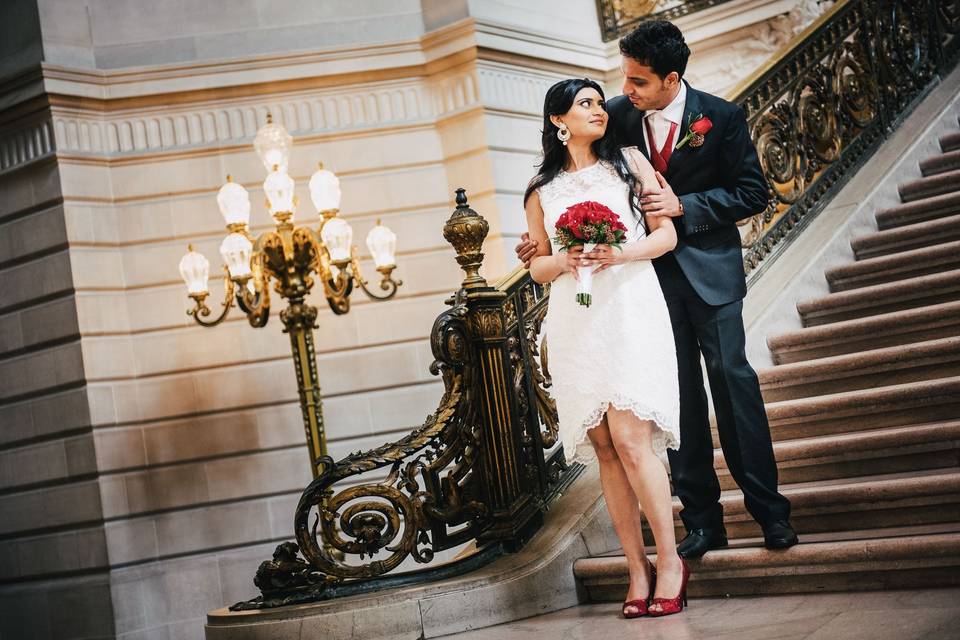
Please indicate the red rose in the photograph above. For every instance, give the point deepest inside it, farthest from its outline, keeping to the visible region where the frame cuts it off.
(701, 126)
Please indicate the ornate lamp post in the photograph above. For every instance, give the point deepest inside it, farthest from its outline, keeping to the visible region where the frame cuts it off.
(291, 257)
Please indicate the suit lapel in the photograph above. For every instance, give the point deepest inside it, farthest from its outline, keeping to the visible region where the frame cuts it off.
(691, 109)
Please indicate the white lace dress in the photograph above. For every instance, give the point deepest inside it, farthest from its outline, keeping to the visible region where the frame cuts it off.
(619, 351)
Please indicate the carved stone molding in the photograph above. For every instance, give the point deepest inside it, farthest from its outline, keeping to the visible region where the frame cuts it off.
(26, 144)
(324, 111)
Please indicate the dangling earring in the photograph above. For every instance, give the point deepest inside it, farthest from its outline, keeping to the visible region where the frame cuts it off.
(563, 134)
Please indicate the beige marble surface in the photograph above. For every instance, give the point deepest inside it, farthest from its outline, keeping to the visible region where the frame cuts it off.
(889, 615)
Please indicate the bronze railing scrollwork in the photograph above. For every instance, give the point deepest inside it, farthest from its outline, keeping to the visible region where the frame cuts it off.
(481, 469)
(820, 108)
(618, 17)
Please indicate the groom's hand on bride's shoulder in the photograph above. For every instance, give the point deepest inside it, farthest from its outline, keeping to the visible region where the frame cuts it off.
(660, 200)
(526, 250)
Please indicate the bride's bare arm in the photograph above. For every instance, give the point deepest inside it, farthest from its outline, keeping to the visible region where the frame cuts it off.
(662, 236)
(545, 266)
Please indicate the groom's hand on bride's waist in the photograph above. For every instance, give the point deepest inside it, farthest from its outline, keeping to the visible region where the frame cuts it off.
(526, 250)
(660, 200)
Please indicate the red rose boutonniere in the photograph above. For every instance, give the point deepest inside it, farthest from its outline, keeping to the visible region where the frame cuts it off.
(696, 131)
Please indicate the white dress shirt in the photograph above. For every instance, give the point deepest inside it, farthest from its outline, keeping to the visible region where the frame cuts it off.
(660, 120)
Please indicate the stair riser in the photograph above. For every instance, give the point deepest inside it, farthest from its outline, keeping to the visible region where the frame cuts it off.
(865, 309)
(917, 373)
(940, 164)
(872, 250)
(892, 575)
(847, 283)
(828, 518)
(921, 210)
(928, 188)
(950, 142)
(845, 518)
(945, 328)
(939, 456)
(941, 409)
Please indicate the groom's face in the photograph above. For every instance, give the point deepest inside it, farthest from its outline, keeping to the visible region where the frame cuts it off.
(644, 88)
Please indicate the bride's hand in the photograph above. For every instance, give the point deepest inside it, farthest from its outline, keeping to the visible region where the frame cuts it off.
(571, 259)
(605, 256)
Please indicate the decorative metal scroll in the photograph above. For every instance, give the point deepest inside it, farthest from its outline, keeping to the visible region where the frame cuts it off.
(482, 468)
(618, 17)
(823, 107)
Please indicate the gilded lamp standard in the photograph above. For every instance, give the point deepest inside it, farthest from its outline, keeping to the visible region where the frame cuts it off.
(291, 256)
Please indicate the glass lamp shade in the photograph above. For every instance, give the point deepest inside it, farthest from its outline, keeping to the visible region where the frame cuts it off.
(382, 244)
(279, 189)
(325, 190)
(234, 203)
(273, 145)
(195, 270)
(235, 250)
(338, 236)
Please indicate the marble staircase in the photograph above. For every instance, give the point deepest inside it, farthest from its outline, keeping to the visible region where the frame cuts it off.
(864, 408)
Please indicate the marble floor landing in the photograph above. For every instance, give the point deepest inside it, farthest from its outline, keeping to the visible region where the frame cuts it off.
(879, 615)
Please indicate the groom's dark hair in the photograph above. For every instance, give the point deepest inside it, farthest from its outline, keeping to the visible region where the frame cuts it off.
(657, 44)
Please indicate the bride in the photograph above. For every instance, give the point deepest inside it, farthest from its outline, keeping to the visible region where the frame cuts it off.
(613, 364)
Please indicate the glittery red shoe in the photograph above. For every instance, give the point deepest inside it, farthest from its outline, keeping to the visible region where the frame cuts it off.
(670, 606)
(641, 604)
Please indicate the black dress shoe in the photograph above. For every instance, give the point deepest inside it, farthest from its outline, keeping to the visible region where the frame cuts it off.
(699, 541)
(779, 535)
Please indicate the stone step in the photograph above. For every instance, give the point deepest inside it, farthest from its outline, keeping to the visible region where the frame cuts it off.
(899, 266)
(906, 561)
(847, 505)
(881, 298)
(947, 182)
(910, 448)
(898, 405)
(932, 208)
(873, 332)
(862, 370)
(950, 142)
(913, 236)
(941, 163)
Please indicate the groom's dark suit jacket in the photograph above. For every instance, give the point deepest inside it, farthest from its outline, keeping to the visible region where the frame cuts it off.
(719, 183)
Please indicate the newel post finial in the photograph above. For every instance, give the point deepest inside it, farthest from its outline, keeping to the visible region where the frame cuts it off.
(466, 230)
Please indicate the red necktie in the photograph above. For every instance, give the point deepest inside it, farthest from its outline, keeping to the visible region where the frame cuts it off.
(659, 159)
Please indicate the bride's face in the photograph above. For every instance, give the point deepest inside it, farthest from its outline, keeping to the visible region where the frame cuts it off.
(644, 88)
(587, 118)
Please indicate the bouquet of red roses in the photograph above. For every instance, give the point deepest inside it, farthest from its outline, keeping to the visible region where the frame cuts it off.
(588, 224)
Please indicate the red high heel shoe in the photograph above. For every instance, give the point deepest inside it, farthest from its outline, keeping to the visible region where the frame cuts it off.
(670, 606)
(640, 604)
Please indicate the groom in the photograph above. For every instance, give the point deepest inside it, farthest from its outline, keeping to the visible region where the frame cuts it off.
(710, 178)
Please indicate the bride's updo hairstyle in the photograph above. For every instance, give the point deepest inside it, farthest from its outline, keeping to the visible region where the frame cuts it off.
(558, 101)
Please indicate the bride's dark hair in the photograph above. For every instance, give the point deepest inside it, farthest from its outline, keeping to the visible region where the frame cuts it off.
(558, 101)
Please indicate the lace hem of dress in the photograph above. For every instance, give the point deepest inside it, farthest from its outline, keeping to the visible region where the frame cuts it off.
(663, 437)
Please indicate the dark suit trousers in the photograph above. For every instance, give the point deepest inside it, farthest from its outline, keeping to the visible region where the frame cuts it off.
(717, 332)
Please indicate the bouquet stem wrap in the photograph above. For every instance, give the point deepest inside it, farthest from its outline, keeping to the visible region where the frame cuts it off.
(585, 279)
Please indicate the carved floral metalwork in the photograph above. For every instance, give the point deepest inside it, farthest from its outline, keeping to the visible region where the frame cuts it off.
(618, 17)
(826, 104)
(450, 481)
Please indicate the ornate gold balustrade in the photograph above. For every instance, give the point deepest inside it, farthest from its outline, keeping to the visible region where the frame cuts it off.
(819, 109)
(617, 17)
(482, 469)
